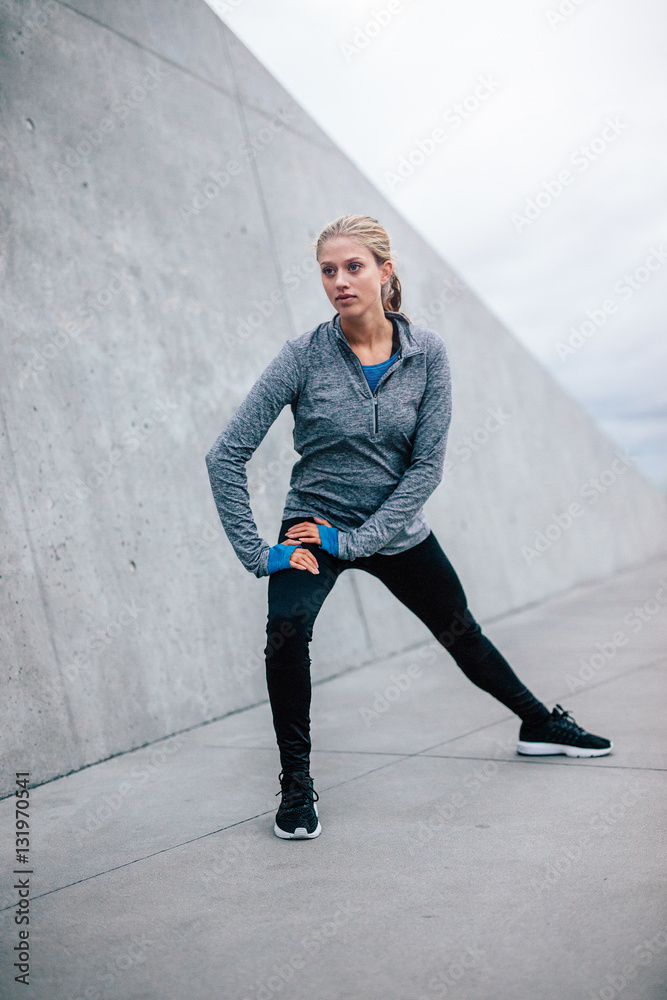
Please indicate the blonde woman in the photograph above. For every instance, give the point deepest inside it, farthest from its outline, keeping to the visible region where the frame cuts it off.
(370, 393)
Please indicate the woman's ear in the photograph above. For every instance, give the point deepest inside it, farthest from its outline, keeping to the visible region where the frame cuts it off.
(386, 272)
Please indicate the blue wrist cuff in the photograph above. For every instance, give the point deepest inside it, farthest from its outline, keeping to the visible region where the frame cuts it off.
(329, 539)
(279, 557)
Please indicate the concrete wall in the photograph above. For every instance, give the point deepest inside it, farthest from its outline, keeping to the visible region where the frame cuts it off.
(160, 195)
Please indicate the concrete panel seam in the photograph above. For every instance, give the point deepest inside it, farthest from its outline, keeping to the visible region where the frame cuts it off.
(39, 581)
(189, 72)
(258, 185)
(362, 614)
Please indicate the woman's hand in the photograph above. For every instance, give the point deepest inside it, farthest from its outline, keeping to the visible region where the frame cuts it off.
(302, 558)
(306, 531)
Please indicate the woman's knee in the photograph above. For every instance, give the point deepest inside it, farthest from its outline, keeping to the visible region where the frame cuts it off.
(287, 636)
(461, 628)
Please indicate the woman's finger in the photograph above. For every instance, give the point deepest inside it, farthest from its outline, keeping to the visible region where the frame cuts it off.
(310, 562)
(307, 533)
(303, 559)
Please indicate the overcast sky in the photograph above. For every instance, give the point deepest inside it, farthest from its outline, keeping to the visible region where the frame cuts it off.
(526, 141)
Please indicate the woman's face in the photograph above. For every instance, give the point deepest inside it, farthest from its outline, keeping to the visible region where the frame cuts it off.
(351, 277)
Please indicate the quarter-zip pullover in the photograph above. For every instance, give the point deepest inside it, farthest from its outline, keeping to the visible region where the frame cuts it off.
(369, 459)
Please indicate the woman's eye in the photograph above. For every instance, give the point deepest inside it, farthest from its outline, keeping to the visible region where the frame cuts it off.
(354, 265)
(327, 270)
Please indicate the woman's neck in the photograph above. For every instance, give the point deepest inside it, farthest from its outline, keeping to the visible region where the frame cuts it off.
(369, 332)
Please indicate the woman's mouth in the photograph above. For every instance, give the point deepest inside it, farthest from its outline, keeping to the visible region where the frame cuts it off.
(345, 298)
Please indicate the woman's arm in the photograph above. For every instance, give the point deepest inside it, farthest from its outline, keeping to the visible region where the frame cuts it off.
(277, 386)
(424, 472)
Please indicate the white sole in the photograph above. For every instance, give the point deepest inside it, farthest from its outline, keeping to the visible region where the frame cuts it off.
(300, 833)
(544, 749)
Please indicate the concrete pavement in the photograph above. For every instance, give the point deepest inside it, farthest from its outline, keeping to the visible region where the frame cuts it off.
(448, 866)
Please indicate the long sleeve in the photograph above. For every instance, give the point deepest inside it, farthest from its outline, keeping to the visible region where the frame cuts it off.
(423, 474)
(276, 387)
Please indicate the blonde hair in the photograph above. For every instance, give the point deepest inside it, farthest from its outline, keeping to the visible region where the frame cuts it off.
(375, 238)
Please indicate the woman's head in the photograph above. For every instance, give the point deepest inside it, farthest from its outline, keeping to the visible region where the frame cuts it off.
(357, 245)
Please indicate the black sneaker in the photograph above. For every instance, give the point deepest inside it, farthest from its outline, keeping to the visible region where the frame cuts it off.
(561, 734)
(296, 818)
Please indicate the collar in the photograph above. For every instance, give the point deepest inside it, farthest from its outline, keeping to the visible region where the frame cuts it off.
(409, 344)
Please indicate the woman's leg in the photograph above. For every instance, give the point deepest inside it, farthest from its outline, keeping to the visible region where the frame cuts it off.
(295, 598)
(425, 581)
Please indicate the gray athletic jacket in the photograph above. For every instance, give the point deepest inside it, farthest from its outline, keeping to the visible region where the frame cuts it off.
(369, 461)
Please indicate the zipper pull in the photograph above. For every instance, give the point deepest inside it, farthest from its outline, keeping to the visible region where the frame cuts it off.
(375, 411)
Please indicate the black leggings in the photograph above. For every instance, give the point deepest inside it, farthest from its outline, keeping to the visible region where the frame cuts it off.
(424, 580)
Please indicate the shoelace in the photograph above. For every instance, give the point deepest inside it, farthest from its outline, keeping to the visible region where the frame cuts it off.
(295, 786)
(567, 719)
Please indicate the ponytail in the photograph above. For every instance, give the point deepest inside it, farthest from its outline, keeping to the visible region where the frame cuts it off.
(391, 294)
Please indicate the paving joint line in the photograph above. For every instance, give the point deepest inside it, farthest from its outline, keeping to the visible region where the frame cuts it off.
(540, 759)
(324, 680)
(267, 812)
(519, 759)
(192, 840)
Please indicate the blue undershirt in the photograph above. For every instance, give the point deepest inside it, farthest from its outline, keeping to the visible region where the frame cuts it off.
(374, 373)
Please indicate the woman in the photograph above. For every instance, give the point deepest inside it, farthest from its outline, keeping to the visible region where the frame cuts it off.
(371, 398)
